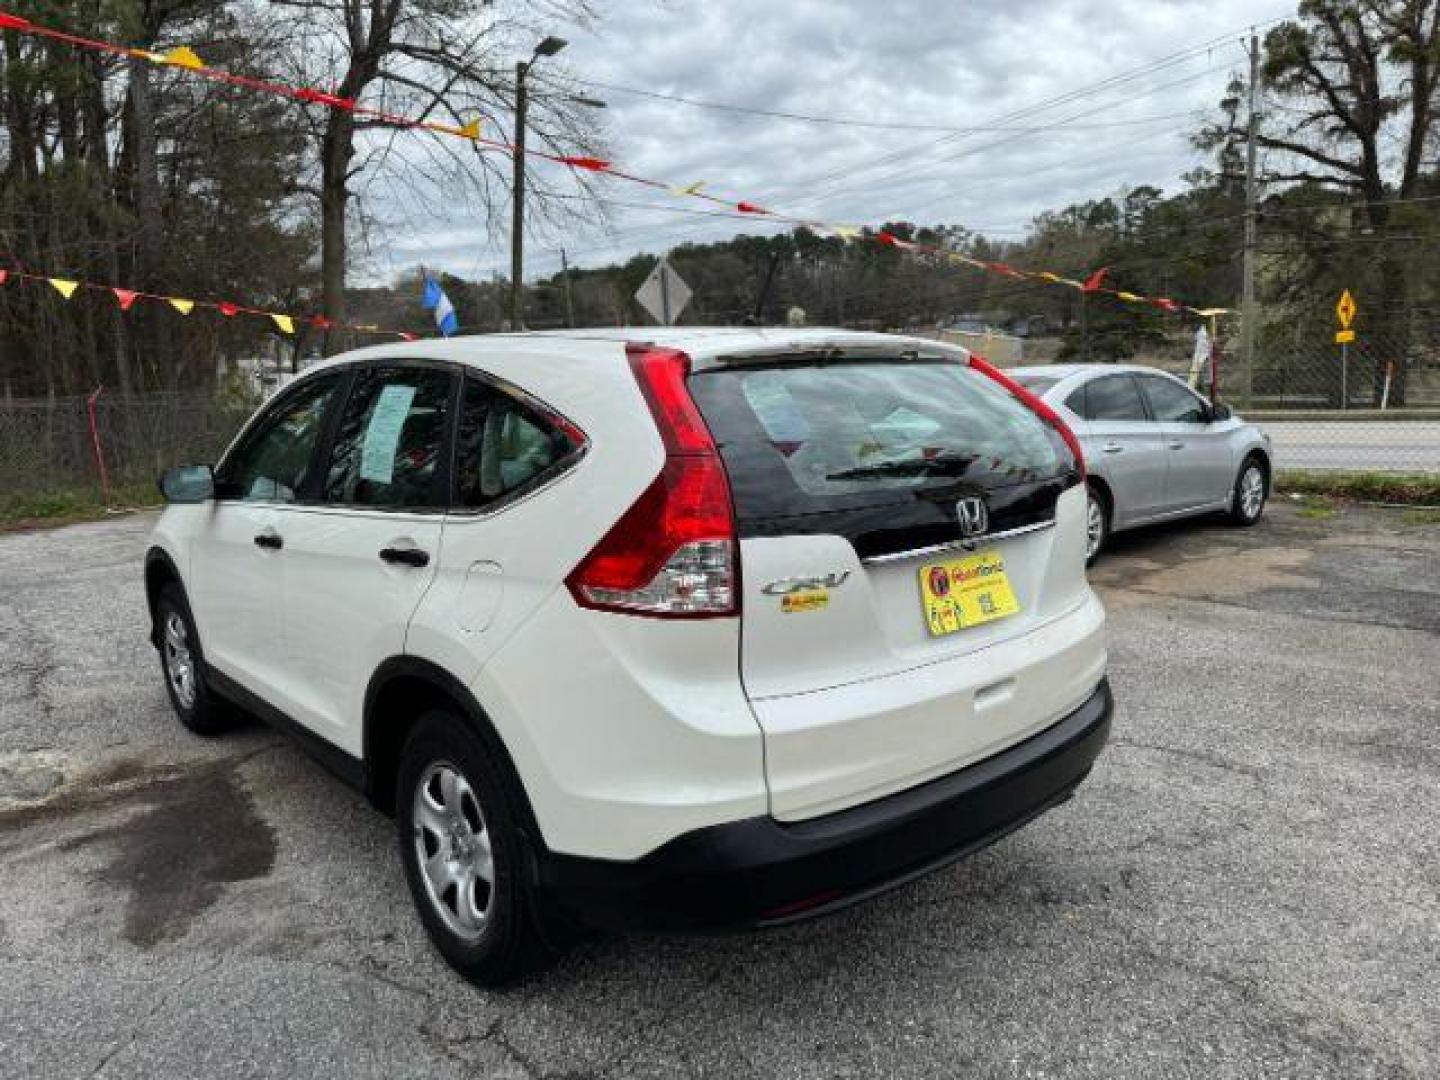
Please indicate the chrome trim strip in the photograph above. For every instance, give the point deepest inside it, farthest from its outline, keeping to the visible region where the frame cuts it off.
(968, 544)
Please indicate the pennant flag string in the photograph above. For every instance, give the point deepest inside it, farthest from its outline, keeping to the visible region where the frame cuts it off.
(126, 298)
(186, 59)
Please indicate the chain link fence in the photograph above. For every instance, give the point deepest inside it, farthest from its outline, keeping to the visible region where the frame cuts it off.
(47, 444)
(1370, 406)
(1360, 410)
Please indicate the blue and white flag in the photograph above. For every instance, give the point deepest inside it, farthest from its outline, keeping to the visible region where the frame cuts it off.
(436, 301)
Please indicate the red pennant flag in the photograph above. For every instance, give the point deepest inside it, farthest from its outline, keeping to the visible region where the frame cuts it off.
(889, 239)
(750, 208)
(1093, 282)
(127, 297)
(319, 97)
(320, 322)
(406, 335)
(12, 22)
(1166, 303)
(227, 309)
(1003, 268)
(592, 163)
(4, 275)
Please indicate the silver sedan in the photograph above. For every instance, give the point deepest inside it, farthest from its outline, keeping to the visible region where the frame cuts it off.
(1154, 449)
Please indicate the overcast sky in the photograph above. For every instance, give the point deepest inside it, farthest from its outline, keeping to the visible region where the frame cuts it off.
(997, 64)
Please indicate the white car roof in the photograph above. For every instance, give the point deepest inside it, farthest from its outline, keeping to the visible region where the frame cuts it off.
(700, 343)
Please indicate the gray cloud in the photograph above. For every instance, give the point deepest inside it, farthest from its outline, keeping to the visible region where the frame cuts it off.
(941, 63)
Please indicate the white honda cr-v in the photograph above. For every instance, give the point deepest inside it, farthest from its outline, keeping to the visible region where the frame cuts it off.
(672, 629)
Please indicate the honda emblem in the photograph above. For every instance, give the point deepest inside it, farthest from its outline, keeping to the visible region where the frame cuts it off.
(974, 518)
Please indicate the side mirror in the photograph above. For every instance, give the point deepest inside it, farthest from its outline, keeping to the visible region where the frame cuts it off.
(1220, 413)
(188, 484)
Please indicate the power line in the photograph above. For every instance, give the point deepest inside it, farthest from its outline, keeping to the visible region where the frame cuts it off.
(835, 121)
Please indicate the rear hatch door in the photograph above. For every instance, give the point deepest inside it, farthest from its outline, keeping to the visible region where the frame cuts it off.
(855, 480)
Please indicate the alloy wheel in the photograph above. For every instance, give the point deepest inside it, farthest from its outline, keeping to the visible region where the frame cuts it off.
(1094, 525)
(1252, 492)
(179, 661)
(452, 848)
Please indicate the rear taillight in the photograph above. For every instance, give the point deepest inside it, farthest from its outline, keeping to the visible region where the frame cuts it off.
(673, 553)
(1038, 407)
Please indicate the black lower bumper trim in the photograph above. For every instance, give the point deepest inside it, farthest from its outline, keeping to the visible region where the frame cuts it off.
(761, 871)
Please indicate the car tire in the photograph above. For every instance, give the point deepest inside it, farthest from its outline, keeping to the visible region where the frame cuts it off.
(464, 853)
(1248, 501)
(1097, 523)
(183, 664)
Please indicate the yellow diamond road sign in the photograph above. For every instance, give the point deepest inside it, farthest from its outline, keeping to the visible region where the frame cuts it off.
(1345, 309)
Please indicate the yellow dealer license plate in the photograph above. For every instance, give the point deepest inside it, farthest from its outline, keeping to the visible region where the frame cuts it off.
(966, 592)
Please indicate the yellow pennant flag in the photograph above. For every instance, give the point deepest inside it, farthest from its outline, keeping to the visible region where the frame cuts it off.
(181, 305)
(1131, 297)
(63, 287)
(1048, 276)
(284, 322)
(845, 232)
(471, 130)
(184, 56)
(688, 189)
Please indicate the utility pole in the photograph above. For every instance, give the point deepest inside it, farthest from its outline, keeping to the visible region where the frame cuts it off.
(569, 300)
(517, 214)
(548, 47)
(1249, 311)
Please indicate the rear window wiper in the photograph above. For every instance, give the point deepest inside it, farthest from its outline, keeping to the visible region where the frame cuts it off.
(939, 465)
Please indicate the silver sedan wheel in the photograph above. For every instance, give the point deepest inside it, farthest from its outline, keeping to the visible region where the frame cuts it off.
(179, 662)
(1094, 525)
(1252, 492)
(452, 847)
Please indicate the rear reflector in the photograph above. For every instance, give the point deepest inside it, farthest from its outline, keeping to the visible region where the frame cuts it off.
(1038, 407)
(672, 554)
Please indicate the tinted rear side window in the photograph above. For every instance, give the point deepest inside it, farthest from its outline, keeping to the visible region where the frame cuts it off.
(804, 439)
(505, 445)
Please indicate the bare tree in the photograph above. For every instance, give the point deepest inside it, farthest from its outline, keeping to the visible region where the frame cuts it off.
(442, 59)
(1355, 83)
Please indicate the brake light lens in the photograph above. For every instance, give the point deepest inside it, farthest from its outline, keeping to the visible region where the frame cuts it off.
(1038, 407)
(673, 553)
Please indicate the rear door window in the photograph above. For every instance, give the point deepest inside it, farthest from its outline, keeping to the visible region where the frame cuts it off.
(389, 446)
(804, 439)
(1115, 398)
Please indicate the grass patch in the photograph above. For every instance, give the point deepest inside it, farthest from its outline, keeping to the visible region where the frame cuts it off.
(1421, 516)
(63, 506)
(1317, 507)
(1414, 489)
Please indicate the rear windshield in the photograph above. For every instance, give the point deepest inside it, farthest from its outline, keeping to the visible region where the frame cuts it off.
(803, 437)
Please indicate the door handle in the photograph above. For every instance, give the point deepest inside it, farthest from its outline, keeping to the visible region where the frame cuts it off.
(1177, 446)
(271, 540)
(405, 556)
(1112, 448)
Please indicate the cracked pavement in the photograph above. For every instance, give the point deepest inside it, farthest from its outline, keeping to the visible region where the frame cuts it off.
(1247, 886)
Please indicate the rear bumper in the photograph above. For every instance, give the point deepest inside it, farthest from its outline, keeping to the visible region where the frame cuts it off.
(762, 872)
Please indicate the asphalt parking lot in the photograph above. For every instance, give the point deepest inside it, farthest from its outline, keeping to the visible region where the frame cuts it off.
(1248, 885)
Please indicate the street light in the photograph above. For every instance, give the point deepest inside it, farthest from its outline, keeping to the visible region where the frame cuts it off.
(548, 47)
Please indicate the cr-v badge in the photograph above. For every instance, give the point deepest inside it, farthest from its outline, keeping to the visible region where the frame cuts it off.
(785, 586)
